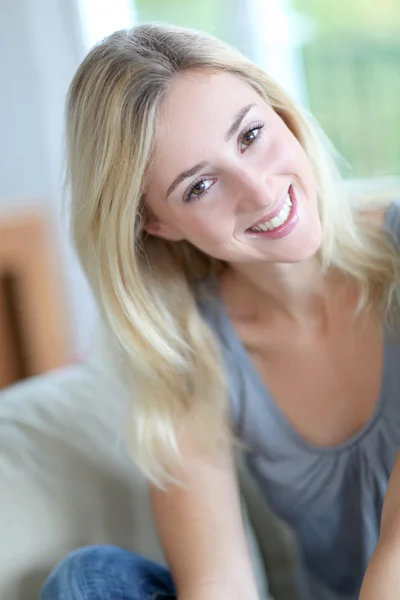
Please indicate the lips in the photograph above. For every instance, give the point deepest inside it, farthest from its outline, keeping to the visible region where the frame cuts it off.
(278, 226)
(273, 213)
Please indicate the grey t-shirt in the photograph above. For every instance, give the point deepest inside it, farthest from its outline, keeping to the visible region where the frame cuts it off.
(330, 497)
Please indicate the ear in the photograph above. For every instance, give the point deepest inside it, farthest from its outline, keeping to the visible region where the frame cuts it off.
(163, 231)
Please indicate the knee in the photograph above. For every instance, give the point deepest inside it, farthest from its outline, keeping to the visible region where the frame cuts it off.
(81, 574)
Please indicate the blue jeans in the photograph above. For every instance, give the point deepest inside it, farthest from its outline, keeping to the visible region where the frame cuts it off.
(107, 573)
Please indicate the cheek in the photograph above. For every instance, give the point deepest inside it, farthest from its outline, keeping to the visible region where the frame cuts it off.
(308, 176)
(211, 225)
(206, 225)
(302, 167)
(286, 144)
(283, 153)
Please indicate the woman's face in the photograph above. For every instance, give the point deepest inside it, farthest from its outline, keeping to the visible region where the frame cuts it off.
(229, 175)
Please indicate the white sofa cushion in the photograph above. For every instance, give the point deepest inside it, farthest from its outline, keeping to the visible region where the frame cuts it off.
(66, 479)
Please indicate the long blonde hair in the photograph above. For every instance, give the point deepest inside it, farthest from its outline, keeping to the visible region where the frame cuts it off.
(143, 284)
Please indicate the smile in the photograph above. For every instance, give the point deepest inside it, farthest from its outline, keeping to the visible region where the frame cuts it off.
(281, 223)
(277, 221)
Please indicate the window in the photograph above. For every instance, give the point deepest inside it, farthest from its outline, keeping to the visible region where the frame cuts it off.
(352, 72)
(264, 30)
(216, 17)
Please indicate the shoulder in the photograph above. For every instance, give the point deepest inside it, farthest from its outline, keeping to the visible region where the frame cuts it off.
(206, 294)
(392, 218)
(386, 217)
(211, 308)
(206, 297)
(377, 201)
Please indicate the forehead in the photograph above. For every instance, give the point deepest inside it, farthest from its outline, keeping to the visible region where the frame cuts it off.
(198, 95)
(195, 100)
(196, 112)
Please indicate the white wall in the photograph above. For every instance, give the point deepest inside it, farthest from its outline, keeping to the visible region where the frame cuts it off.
(41, 45)
(277, 33)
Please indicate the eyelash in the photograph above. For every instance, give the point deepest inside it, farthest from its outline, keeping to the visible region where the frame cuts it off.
(188, 197)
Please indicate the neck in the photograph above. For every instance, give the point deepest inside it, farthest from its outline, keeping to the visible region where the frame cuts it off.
(297, 291)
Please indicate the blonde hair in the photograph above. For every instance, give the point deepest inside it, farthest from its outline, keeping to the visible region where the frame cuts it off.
(143, 284)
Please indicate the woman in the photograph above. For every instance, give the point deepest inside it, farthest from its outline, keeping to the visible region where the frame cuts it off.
(254, 297)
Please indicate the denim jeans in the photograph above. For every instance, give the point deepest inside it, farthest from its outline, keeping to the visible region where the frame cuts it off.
(107, 573)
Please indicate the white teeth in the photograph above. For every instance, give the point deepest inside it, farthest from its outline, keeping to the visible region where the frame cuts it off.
(275, 221)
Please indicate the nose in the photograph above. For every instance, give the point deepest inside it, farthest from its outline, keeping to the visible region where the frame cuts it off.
(256, 191)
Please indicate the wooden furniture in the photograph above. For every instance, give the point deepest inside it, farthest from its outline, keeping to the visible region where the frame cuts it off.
(33, 320)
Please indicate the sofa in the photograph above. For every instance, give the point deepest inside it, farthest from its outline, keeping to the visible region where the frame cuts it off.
(67, 480)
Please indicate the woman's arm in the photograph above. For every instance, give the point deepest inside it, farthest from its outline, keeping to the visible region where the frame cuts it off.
(202, 532)
(382, 579)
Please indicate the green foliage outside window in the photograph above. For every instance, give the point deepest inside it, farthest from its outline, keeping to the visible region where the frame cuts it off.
(212, 16)
(351, 67)
(352, 70)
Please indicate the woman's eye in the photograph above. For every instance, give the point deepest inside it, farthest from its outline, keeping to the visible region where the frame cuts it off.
(198, 189)
(249, 137)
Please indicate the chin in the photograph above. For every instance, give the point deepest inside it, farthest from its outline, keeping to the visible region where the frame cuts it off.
(304, 248)
(308, 239)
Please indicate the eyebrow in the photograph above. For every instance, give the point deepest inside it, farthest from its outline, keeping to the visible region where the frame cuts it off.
(196, 168)
(236, 123)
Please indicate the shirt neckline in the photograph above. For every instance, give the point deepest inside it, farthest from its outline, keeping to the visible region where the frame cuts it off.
(247, 364)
